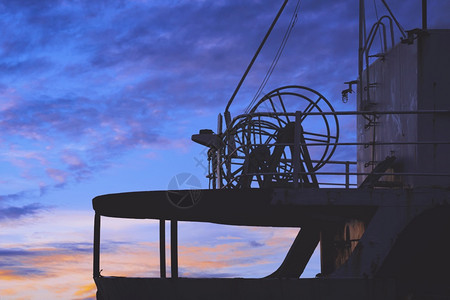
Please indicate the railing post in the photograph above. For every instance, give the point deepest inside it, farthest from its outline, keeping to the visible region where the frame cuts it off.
(96, 262)
(174, 248)
(347, 175)
(162, 248)
(219, 153)
(219, 165)
(296, 154)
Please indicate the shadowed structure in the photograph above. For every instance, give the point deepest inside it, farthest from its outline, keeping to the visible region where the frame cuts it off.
(382, 223)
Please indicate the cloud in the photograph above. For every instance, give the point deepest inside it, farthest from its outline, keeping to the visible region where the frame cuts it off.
(44, 261)
(15, 212)
(46, 272)
(86, 289)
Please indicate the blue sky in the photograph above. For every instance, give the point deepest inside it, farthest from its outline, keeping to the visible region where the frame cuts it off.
(102, 96)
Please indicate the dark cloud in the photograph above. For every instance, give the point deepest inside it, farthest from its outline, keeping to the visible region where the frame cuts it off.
(16, 212)
(14, 196)
(15, 253)
(19, 261)
(255, 244)
(23, 272)
(48, 249)
(31, 67)
(71, 248)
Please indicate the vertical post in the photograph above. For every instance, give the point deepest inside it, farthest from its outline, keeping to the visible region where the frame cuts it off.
(373, 141)
(174, 248)
(219, 153)
(219, 166)
(347, 174)
(96, 264)
(362, 39)
(219, 124)
(296, 154)
(162, 248)
(424, 15)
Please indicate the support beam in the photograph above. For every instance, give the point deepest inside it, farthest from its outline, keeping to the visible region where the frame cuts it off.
(96, 266)
(296, 153)
(424, 15)
(162, 248)
(299, 254)
(174, 248)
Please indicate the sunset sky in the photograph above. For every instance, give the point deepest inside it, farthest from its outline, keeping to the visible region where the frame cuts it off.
(99, 97)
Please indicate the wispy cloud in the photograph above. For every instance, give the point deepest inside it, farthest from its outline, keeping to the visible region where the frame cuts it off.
(46, 271)
(16, 212)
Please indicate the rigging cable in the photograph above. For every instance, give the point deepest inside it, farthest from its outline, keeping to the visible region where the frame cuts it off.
(276, 58)
(227, 113)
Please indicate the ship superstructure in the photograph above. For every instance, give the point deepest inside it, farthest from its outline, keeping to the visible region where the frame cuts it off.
(381, 220)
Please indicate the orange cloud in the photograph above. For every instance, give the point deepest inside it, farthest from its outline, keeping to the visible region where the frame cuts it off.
(7, 292)
(47, 273)
(90, 289)
(9, 275)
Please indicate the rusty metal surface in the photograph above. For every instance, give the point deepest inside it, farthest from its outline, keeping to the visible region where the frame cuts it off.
(410, 77)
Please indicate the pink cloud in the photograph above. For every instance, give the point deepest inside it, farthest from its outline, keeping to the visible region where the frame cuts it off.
(57, 175)
(72, 160)
(10, 98)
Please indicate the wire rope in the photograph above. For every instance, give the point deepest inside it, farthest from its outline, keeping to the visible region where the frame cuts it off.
(276, 58)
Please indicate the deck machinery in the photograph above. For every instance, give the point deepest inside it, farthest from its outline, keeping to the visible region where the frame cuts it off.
(382, 223)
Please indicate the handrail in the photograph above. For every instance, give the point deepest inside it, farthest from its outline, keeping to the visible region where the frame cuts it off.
(373, 32)
(233, 165)
(332, 113)
(367, 47)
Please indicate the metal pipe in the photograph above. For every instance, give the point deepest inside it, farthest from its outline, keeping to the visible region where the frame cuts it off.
(362, 38)
(219, 153)
(162, 248)
(174, 248)
(254, 58)
(342, 174)
(296, 155)
(402, 31)
(372, 143)
(343, 113)
(338, 183)
(424, 15)
(96, 262)
(347, 174)
(354, 173)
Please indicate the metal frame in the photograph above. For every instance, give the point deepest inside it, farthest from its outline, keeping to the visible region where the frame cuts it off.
(258, 129)
(162, 247)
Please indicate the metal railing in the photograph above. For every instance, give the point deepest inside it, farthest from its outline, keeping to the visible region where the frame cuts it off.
(252, 140)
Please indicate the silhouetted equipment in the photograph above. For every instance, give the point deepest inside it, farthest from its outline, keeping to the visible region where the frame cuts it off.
(269, 145)
(382, 222)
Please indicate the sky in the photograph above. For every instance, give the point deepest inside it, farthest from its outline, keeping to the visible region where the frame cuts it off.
(99, 97)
